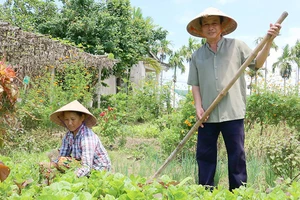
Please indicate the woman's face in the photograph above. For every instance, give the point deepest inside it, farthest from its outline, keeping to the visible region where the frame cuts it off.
(73, 120)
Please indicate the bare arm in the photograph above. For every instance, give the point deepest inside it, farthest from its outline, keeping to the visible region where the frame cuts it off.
(198, 102)
(263, 54)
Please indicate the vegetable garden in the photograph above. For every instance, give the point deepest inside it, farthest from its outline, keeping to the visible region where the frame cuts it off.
(139, 139)
(138, 126)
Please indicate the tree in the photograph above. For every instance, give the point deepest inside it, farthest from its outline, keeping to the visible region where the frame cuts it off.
(27, 14)
(109, 27)
(252, 73)
(273, 46)
(158, 36)
(296, 59)
(176, 61)
(193, 45)
(284, 63)
(161, 49)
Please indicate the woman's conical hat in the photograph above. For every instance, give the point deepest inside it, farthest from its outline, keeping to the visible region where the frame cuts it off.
(90, 119)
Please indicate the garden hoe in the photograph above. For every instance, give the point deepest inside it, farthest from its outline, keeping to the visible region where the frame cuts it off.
(217, 100)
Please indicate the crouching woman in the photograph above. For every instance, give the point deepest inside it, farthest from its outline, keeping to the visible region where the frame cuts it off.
(80, 142)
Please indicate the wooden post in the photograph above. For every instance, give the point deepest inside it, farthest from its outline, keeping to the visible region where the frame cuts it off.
(98, 88)
(52, 82)
(217, 100)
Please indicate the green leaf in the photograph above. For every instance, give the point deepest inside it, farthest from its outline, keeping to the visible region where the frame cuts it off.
(85, 196)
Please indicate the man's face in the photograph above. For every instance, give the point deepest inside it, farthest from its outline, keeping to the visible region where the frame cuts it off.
(211, 27)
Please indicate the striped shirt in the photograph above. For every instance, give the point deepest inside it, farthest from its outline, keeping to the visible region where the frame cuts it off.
(86, 147)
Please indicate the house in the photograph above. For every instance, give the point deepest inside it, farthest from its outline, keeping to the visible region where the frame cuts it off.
(138, 73)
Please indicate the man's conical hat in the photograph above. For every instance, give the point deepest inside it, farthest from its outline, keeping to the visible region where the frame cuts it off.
(228, 24)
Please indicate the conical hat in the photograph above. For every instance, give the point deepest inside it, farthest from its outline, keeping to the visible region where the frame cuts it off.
(228, 24)
(90, 119)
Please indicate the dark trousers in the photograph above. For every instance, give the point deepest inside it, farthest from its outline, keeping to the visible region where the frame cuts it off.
(206, 155)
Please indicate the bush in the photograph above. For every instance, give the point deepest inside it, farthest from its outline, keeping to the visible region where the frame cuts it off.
(38, 140)
(8, 98)
(146, 130)
(142, 103)
(272, 108)
(188, 112)
(284, 156)
(44, 95)
(169, 140)
(176, 125)
(108, 124)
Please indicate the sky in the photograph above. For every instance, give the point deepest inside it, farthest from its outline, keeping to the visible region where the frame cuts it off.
(253, 18)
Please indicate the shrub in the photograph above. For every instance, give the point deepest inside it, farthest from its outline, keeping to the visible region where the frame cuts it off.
(284, 156)
(188, 113)
(8, 98)
(108, 124)
(142, 103)
(44, 95)
(169, 140)
(176, 125)
(39, 140)
(145, 130)
(272, 108)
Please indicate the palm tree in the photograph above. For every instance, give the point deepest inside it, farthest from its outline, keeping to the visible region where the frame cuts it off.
(152, 63)
(193, 45)
(163, 51)
(160, 49)
(252, 73)
(284, 63)
(187, 51)
(138, 14)
(176, 61)
(296, 59)
(273, 46)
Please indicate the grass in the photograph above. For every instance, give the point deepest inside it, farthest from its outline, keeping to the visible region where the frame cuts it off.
(260, 174)
(146, 161)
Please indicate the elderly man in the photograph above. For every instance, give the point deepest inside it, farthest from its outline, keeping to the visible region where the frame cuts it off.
(211, 69)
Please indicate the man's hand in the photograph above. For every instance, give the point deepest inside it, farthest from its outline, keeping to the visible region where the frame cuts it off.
(274, 30)
(199, 114)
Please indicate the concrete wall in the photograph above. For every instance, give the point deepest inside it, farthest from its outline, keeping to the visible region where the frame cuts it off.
(112, 89)
(138, 73)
